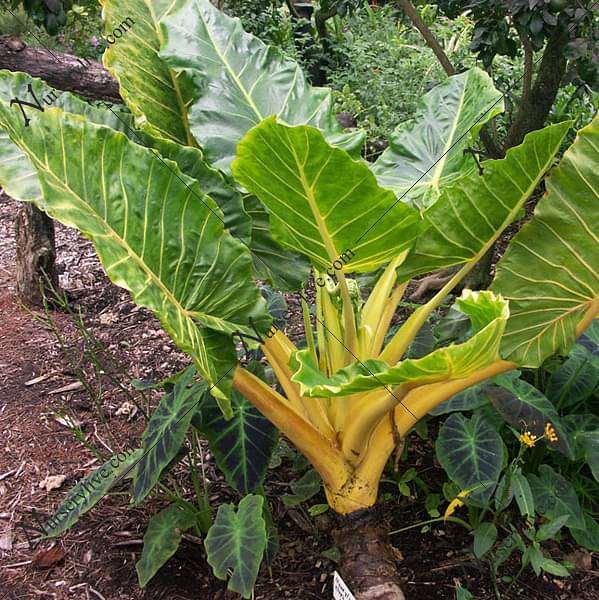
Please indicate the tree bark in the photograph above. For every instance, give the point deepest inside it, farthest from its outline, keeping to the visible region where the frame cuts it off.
(62, 71)
(36, 253)
(368, 561)
(535, 107)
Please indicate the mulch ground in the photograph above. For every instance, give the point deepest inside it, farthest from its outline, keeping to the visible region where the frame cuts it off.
(40, 393)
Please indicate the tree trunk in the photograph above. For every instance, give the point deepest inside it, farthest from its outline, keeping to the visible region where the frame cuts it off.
(535, 107)
(368, 561)
(36, 272)
(62, 71)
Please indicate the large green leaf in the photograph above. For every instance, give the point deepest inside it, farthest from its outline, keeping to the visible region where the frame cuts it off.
(527, 409)
(155, 232)
(242, 445)
(427, 152)
(472, 212)
(488, 314)
(554, 496)
(236, 542)
(588, 536)
(548, 272)
(321, 202)
(471, 452)
(243, 82)
(214, 183)
(286, 270)
(157, 96)
(161, 540)
(90, 490)
(18, 177)
(165, 432)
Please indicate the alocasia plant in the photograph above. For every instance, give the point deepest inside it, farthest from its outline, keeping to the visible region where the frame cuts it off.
(229, 164)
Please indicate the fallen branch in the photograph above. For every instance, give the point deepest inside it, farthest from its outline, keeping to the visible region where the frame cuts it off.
(60, 70)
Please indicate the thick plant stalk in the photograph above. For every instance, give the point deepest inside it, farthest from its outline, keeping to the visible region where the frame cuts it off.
(368, 561)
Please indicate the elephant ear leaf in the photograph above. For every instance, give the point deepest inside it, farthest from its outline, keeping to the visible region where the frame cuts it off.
(242, 445)
(157, 96)
(161, 540)
(242, 80)
(428, 152)
(165, 432)
(18, 176)
(548, 272)
(236, 542)
(322, 203)
(528, 410)
(156, 233)
(472, 212)
(471, 452)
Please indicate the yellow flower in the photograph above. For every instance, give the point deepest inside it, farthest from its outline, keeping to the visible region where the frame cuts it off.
(550, 432)
(455, 504)
(528, 438)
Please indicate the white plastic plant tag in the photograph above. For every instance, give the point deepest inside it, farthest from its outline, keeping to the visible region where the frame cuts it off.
(340, 590)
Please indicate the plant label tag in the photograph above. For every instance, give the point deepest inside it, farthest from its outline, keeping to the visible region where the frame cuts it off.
(340, 590)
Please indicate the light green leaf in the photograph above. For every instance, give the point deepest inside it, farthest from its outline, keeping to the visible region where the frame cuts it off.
(554, 568)
(527, 409)
(18, 177)
(554, 496)
(472, 212)
(236, 542)
(161, 540)
(156, 95)
(523, 494)
(484, 538)
(427, 152)
(165, 432)
(90, 490)
(548, 272)
(242, 445)
(174, 257)
(243, 82)
(286, 270)
(471, 452)
(320, 200)
(488, 314)
(215, 184)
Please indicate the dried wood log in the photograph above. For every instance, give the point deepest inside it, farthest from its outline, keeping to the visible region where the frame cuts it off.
(60, 70)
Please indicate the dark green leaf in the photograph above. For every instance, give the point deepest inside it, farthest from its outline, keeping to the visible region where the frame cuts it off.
(527, 409)
(303, 489)
(554, 496)
(165, 432)
(587, 536)
(90, 490)
(523, 494)
(161, 540)
(471, 452)
(470, 399)
(548, 530)
(242, 445)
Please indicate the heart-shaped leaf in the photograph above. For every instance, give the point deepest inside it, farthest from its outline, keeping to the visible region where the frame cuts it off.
(471, 452)
(236, 542)
(161, 540)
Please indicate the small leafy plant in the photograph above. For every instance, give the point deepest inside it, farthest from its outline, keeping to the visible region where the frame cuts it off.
(228, 166)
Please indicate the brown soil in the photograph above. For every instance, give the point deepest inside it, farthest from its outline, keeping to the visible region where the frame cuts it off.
(101, 550)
